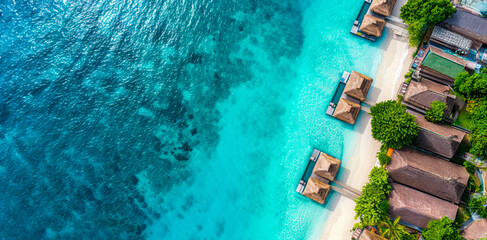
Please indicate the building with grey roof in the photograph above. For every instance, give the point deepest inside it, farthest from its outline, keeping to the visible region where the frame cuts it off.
(450, 39)
(467, 24)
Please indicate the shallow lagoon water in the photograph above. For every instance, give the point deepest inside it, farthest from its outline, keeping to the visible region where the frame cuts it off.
(170, 119)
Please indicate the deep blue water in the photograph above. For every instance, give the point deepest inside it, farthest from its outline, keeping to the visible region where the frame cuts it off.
(138, 119)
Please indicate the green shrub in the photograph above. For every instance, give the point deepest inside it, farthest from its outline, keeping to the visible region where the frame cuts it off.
(477, 205)
(437, 111)
(392, 125)
(408, 80)
(399, 98)
(373, 207)
(444, 229)
(470, 167)
(382, 156)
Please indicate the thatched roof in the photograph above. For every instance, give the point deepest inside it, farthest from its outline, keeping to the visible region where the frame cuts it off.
(372, 25)
(418, 208)
(423, 94)
(326, 166)
(316, 190)
(368, 235)
(475, 230)
(383, 7)
(358, 85)
(347, 111)
(437, 138)
(427, 173)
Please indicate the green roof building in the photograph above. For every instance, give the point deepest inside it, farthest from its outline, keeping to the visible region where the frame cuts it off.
(441, 66)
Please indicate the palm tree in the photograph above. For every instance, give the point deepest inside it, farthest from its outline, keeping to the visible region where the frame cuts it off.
(392, 230)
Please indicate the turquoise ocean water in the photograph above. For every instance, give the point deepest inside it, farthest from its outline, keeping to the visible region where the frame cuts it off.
(176, 119)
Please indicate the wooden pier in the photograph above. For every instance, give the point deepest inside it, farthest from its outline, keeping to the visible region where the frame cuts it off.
(338, 93)
(321, 170)
(358, 21)
(307, 173)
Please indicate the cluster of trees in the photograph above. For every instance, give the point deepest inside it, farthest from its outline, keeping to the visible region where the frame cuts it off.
(436, 112)
(444, 228)
(477, 205)
(392, 125)
(474, 88)
(421, 14)
(372, 207)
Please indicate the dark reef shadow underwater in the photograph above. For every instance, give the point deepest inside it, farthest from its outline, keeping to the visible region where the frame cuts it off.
(94, 92)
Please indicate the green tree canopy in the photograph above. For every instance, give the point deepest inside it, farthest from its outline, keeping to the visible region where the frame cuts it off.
(474, 88)
(471, 85)
(444, 229)
(437, 111)
(419, 14)
(478, 137)
(393, 230)
(477, 205)
(373, 207)
(392, 125)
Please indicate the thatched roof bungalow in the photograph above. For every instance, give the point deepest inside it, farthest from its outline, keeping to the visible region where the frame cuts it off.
(437, 138)
(383, 7)
(358, 85)
(422, 94)
(368, 235)
(372, 25)
(347, 111)
(326, 166)
(427, 173)
(418, 208)
(475, 230)
(316, 190)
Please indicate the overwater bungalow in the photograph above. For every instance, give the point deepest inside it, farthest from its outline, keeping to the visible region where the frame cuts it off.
(476, 230)
(420, 95)
(442, 67)
(326, 166)
(382, 7)
(418, 208)
(372, 25)
(358, 85)
(467, 24)
(439, 139)
(316, 190)
(427, 173)
(347, 111)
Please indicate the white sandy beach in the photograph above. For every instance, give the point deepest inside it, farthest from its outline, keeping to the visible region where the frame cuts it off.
(392, 69)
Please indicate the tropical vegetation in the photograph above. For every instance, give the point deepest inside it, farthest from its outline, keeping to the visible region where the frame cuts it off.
(444, 229)
(436, 112)
(392, 125)
(392, 230)
(421, 14)
(477, 205)
(474, 88)
(382, 156)
(372, 207)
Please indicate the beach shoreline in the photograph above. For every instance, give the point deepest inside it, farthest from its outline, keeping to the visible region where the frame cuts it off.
(361, 156)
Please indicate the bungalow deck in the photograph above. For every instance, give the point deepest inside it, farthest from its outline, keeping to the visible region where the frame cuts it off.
(309, 170)
(359, 19)
(338, 93)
